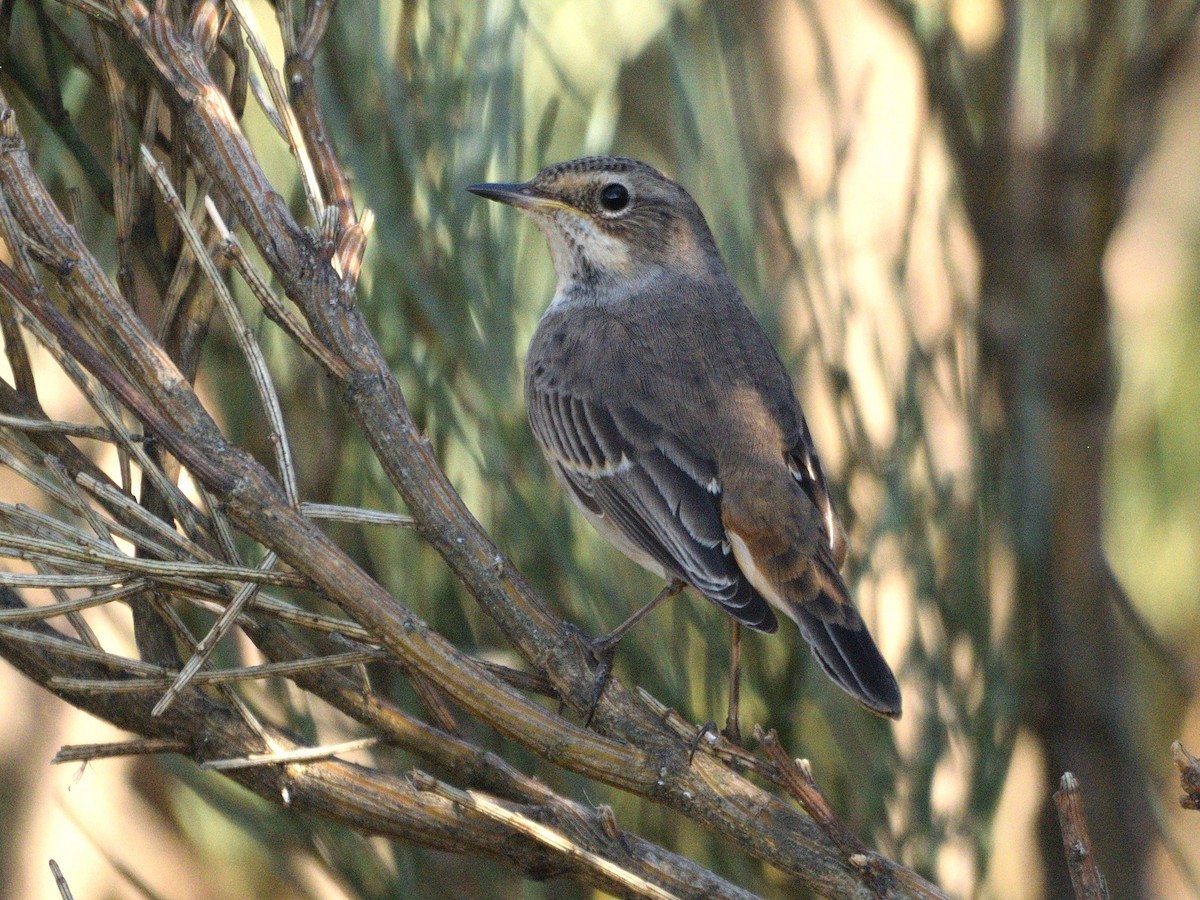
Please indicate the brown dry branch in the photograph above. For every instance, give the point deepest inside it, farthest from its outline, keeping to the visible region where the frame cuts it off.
(84, 753)
(364, 798)
(181, 111)
(876, 874)
(1189, 776)
(1086, 879)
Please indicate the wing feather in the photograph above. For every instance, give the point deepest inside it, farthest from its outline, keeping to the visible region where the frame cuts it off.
(805, 467)
(658, 495)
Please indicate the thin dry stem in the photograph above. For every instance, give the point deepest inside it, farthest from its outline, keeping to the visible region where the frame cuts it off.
(882, 877)
(277, 434)
(1086, 879)
(60, 881)
(79, 651)
(208, 644)
(21, 423)
(140, 747)
(300, 754)
(285, 118)
(540, 833)
(275, 310)
(355, 515)
(60, 553)
(224, 676)
(39, 613)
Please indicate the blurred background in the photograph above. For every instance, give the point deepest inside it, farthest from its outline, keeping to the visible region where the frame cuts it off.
(812, 133)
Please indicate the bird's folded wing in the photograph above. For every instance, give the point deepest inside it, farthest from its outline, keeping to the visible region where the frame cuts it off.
(657, 492)
(806, 469)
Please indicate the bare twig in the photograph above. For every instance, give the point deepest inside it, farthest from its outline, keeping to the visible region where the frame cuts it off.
(237, 324)
(881, 876)
(272, 306)
(286, 612)
(540, 833)
(284, 116)
(34, 614)
(9, 579)
(17, 354)
(124, 173)
(302, 91)
(356, 516)
(798, 779)
(22, 423)
(1089, 884)
(50, 641)
(300, 754)
(224, 676)
(206, 646)
(117, 562)
(140, 747)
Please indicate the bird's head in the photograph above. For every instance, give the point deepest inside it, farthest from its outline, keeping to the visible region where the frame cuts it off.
(611, 219)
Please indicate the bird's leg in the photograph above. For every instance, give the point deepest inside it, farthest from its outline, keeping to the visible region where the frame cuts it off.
(733, 730)
(604, 647)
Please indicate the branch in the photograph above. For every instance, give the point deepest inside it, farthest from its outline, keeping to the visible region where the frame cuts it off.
(638, 753)
(881, 876)
(360, 798)
(636, 749)
(1089, 884)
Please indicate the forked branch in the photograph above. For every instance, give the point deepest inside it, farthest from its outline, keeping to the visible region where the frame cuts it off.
(633, 747)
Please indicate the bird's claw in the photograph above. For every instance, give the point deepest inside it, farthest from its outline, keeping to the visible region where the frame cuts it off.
(602, 651)
(709, 727)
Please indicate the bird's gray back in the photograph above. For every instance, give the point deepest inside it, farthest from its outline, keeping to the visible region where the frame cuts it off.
(674, 348)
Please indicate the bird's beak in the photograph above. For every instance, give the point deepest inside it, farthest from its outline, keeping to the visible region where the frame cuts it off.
(522, 195)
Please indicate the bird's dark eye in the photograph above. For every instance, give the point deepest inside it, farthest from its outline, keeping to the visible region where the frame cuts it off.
(614, 197)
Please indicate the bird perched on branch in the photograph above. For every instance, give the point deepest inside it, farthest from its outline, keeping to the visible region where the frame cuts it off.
(668, 417)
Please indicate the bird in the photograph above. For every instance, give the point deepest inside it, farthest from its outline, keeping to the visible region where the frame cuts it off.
(667, 416)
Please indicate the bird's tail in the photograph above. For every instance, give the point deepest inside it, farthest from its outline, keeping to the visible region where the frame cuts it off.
(819, 602)
(839, 640)
(849, 656)
(805, 585)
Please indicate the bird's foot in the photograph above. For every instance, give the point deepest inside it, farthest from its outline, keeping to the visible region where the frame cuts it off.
(603, 651)
(709, 729)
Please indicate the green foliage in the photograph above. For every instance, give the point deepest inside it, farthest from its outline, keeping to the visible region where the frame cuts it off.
(429, 96)
(441, 95)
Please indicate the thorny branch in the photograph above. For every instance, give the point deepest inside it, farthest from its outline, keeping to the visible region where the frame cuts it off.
(188, 132)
